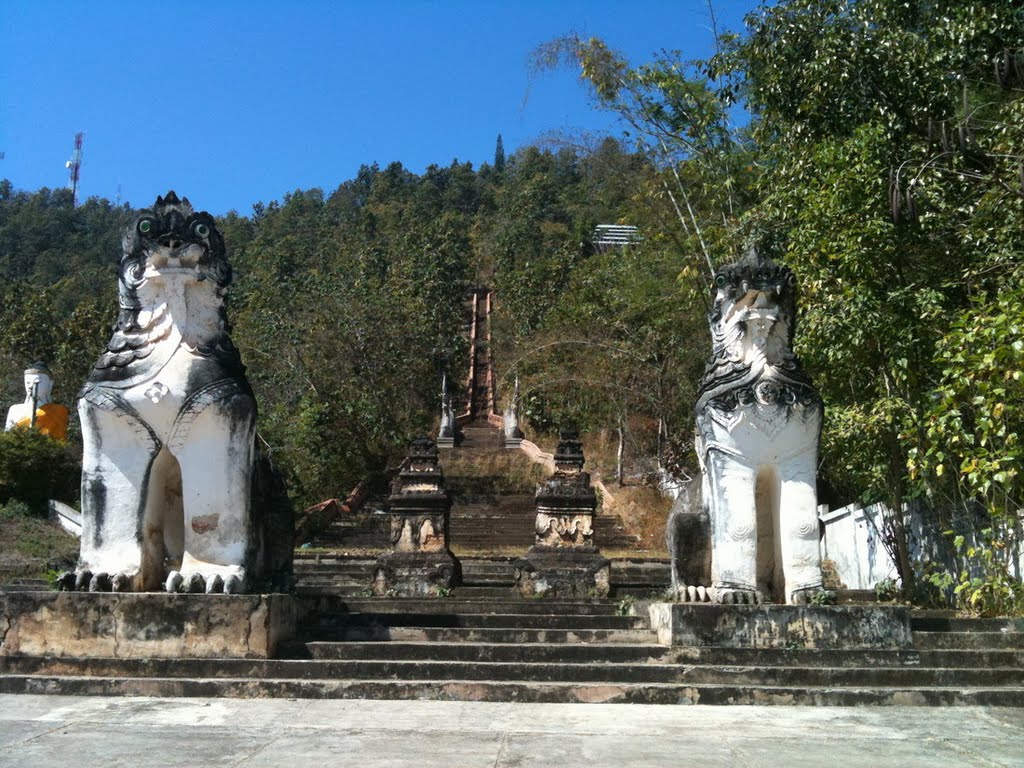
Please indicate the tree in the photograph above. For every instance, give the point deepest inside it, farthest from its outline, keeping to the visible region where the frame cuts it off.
(885, 153)
(499, 155)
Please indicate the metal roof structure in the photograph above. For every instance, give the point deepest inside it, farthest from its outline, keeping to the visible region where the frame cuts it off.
(607, 236)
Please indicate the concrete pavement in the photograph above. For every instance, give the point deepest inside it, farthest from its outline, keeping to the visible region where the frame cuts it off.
(45, 731)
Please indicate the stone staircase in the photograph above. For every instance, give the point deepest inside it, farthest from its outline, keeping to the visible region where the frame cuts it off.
(492, 490)
(473, 649)
(363, 530)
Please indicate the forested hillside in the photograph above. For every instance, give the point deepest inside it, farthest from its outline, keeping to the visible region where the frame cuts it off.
(875, 146)
(346, 306)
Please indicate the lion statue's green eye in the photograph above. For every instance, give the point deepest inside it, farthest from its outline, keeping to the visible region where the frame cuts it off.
(720, 280)
(145, 226)
(202, 230)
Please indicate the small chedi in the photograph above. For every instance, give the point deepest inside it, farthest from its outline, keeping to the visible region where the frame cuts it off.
(564, 561)
(420, 562)
(448, 429)
(174, 493)
(38, 411)
(511, 433)
(751, 534)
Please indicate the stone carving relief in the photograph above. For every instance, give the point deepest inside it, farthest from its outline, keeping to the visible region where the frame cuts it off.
(562, 530)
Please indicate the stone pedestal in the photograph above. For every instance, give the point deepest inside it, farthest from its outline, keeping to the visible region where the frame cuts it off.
(565, 572)
(564, 562)
(416, 574)
(420, 562)
(145, 625)
(781, 626)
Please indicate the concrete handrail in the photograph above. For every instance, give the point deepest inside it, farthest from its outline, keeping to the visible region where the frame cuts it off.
(607, 500)
(68, 518)
(317, 517)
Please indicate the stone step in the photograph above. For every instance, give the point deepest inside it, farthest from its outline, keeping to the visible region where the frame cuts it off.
(26, 585)
(882, 657)
(500, 508)
(968, 640)
(329, 588)
(493, 583)
(932, 623)
(653, 653)
(379, 632)
(637, 591)
(312, 568)
(442, 605)
(484, 543)
(485, 563)
(477, 620)
(523, 653)
(541, 672)
(492, 580)
(478, 592)
(631, 573)
(501, 691)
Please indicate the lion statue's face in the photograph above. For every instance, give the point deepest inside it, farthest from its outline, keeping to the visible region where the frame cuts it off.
(170, 243)
(753, 312)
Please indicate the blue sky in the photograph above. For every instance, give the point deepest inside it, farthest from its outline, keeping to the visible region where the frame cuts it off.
(233, 102)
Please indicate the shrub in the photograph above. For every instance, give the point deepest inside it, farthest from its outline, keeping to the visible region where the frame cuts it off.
(887, 590)
(35, 468)
(824, 597)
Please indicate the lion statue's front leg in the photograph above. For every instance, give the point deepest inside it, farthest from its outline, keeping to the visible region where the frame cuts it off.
(216, 460)
(118, 452)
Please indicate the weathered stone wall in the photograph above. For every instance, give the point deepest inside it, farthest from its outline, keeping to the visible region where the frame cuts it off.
(145, 625)
(853, 541)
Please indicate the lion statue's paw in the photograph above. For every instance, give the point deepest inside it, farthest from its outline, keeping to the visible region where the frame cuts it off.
(734, 596)
(692, 594)
(85, 580)
(215, 583)
(803, 596)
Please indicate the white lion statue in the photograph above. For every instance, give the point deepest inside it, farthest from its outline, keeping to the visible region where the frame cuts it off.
(168, 425)
(758, 421)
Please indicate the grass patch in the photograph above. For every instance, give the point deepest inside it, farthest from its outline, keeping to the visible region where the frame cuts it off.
(508, 471)
(31, 547)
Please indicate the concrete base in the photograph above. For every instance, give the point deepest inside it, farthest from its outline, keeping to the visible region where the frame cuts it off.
(445, 442)
(145, 625)
(416, 574)
(564, 572)
(781, 626)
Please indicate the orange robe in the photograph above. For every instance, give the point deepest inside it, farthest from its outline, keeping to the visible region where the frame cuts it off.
(51, 420)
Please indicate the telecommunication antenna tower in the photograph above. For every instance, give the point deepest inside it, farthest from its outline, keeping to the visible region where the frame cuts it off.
(74, 166)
